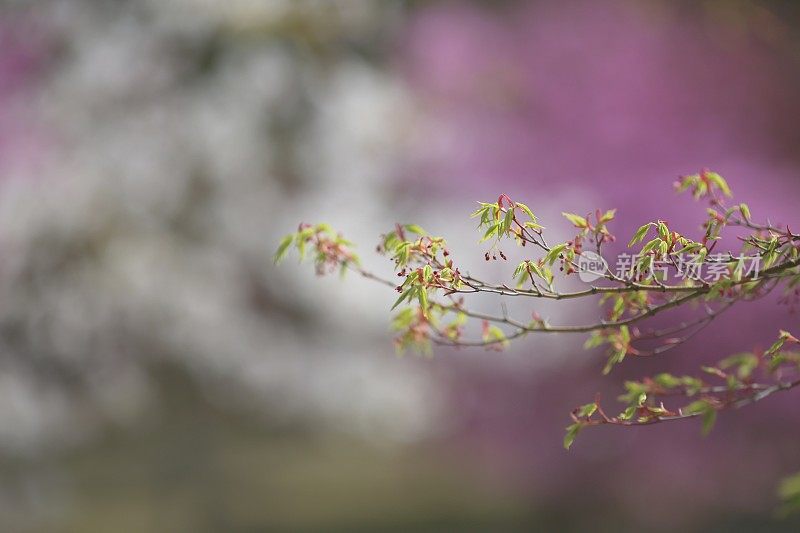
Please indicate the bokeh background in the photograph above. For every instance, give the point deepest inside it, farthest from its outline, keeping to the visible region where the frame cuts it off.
(158, 373)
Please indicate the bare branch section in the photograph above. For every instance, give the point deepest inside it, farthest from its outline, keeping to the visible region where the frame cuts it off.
(663, 271)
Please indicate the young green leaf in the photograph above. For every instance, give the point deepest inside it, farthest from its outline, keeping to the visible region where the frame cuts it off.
(526, 210)
(709, 417)
(507, 221)
(618, 309)
(707, 414)
(587, 410)
(491, 231)
(745, 211)
(413, 228)
(534, 226)
(422, 295)
(495, 335)
(628, 413)
(789, 493)
(640, 234)
(663, 231)
(719, 182)
(554, 252)
(577, 220)
(406, 294)
(283, 247)
(572, 432)
(608, 216)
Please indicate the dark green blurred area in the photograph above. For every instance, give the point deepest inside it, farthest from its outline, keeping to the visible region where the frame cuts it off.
(194, 467)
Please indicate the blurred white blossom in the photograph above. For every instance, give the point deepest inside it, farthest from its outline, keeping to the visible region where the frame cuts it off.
(180, 148)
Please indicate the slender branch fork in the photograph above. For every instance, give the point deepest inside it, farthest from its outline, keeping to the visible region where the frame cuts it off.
(431, 276)
(692, 293)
